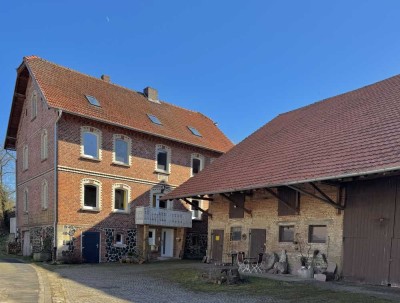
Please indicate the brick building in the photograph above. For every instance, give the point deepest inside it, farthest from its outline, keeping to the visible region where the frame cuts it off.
(323, 178)
(93, 160)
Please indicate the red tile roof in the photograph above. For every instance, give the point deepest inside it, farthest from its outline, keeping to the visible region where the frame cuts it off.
(354, 133)
(65, 89)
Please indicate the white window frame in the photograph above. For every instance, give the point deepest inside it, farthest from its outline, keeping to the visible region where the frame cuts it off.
(127, 190)
(200, 158)
(34, 105)
(129, 149)
(163, 148)
(44, 145)
(26, 200)
(98, 197)
(192, 209)
(156, 191)
(44, 194)
(122, 239)
(25, 157)
(98, 134)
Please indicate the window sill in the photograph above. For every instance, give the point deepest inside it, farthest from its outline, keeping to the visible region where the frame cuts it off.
(83, 157)
(43, 160)
(44, 208)
(92, 209)
(121, 164)
(33, 118)
(164, 172)
(119, 245)
(122, 212)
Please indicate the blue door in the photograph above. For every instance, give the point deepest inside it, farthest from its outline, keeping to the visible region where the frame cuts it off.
(90, 247)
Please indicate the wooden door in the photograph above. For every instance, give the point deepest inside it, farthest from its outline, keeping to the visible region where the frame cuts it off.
(27, 250)
(257, 242)
(90, 247)
(217, 245)
(369, 220)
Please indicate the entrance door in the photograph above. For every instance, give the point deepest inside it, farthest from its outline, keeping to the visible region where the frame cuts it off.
(90, 247)
(167, 242)
(371, 231)
(27, 244)
(217, 244)
(257, 241)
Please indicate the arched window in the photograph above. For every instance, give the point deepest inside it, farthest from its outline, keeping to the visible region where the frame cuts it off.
(91, 195)
(163, 159)
(44, 145)
(90, 143)
(45, 194)
(121, 195)
(197, 164)
(122, 149)
(25, 157)
(26, 201)
(34, 105)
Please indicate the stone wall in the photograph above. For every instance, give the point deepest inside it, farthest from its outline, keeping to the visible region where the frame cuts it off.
(264, 209)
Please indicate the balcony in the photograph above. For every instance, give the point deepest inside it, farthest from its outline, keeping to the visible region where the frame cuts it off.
(163, 217)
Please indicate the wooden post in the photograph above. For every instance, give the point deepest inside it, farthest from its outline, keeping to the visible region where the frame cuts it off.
(145, 241)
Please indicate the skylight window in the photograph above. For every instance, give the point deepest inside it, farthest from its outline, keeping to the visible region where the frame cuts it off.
(92, 100)
(195, 131)
(154, 119)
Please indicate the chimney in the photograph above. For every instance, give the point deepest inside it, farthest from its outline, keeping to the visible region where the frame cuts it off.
(105, 78)
(151, 93)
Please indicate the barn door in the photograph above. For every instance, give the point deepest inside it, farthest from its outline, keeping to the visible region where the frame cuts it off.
(217, 244)
(257, 242)
(369, 220)
(394, 269)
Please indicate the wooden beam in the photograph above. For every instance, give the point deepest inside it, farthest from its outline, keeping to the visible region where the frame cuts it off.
(280, 199)
(234, 203)
(196, 207)
(203, 198)
(328, 199)
(300, 190)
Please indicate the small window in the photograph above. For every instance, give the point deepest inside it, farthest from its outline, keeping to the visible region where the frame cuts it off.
(292, 198)
(92, 100)
(26, 200)
(317, 233)
(197, 164)
(45, 195)
(194, 131)
(119, 239)
(25, 157)
(236, 233)
(121, 151)
(157, 203)
(163, 158)
(91, 142)
(34, 105)
(286, 233)
(44, 145)
(236, 206)
(152, 236)
(154, 119)
(91, 195)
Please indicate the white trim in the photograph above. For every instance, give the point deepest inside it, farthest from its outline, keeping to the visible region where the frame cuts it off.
(200, 158)
(128, 140)
(44, 194)
(92, 182)
(25, 157)
(199, 216)
(109, 176)
(156, 191)
(127, 190)
(166, 149)
(44, 145)
(98, 134)
(33, 105)
(26, 200)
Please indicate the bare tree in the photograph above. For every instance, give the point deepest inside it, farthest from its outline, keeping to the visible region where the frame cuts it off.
(7, 183)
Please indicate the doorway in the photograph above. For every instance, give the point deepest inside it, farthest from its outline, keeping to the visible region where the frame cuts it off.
(167, 242)
(26, 250)
(217, 244)
(257, 242)
(91, 247)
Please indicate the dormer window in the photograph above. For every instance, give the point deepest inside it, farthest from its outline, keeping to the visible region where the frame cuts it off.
(194, 131)
(92, 100)
(154, 119)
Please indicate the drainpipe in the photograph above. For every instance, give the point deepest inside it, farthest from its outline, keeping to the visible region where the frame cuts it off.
(55, 207)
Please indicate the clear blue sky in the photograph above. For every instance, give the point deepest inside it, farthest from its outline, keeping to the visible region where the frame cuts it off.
(239, 62)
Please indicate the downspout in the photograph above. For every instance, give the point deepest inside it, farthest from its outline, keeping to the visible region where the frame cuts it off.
(59, 113)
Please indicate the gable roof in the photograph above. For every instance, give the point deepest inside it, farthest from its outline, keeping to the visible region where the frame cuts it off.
(66, 89)
(352, 134)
